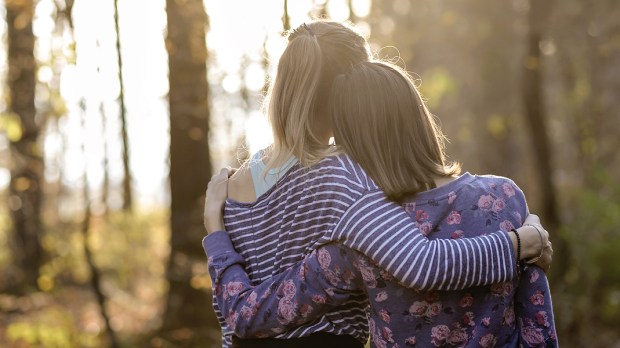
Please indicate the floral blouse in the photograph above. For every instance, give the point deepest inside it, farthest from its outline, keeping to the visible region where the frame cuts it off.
(516, 313)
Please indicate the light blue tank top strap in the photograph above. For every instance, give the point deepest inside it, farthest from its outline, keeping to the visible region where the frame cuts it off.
(262, 183)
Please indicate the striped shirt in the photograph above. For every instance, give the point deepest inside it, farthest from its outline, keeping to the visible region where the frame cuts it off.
(335, 201)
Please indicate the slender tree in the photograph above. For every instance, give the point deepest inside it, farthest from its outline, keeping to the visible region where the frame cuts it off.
(286, 19)
(95, 274)
(127, 195)
(352, 16)
(188, 308)
(535, 115)
(105, 186)
(26, 153)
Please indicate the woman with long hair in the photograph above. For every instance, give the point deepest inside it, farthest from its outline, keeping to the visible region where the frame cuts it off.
(381, 121)
(302, 193)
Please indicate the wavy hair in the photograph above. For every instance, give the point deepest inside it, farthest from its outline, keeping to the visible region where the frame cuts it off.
(381, 121)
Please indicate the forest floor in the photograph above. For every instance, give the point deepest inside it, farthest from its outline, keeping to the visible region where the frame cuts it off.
(130, 252)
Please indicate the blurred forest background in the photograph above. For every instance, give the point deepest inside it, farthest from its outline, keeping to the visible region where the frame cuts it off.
(114, 114)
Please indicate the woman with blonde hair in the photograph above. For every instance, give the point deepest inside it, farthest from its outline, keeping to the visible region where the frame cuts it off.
(309, 194)
(381, 121)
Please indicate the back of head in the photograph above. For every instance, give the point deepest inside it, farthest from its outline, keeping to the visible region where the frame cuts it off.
(316, 53)
(381, 121)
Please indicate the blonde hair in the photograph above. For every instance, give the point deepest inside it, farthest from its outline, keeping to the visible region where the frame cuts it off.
(297, 100)
(381, 121)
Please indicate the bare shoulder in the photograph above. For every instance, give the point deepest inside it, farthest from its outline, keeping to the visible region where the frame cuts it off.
(240, 185)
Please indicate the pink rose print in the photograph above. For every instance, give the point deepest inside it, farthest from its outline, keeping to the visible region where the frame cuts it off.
(508, 189)
(324, 258)
(454, 218)
(252, 298)
(534, 276)
(457, 234)
(231, 320)
(502, 289)
(386, 275)
(542, 318)
(233, 288)
(289, 289)
(426, 228)
(286, 311)
(439, 334)
(331, 276)
(538, 299)
(418, 308)
(488, 341)
(434, 309)
(409, 207)
(379, 343)
(518, 218)
(486, 321)
(468, 319)
(533, 336)
(320, 299)
(367, 273)
(387, 334)
(246, 313)
(385, 315)
(485, 202)
(451, 197)
(466, 301)
(457, 337)
(421, 215)
(506, 226)
(382, 296)
(498, 205)
(509, 316)
(410, 341)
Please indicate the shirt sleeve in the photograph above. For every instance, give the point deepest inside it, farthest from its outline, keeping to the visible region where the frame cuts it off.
(321, 281)
(534, 310)
(384, 232)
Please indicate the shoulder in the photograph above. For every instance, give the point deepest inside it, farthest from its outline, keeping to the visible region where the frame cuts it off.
(493, 187)
(241, 186)
(343, 168)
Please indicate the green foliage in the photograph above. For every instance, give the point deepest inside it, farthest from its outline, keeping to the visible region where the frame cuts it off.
(131, 252)
(588, 296)
(437, 84)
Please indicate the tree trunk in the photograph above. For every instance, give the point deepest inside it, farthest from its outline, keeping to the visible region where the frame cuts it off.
(188, 309)
(286, 19)
(536, 120)
(127, 195)
(26, 154)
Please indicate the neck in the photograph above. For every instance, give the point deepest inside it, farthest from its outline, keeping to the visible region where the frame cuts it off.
(442, 180)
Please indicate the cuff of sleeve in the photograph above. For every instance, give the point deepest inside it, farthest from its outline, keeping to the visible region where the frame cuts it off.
(217, 243)
(512, 259)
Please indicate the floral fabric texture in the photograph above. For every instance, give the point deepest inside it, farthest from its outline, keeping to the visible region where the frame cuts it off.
(507, 314)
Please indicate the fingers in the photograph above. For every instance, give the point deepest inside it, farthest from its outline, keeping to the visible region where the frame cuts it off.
(545, 261)
(532, 219)
(231, 171)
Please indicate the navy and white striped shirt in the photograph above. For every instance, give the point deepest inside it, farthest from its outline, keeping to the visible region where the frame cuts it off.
(335, 201)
